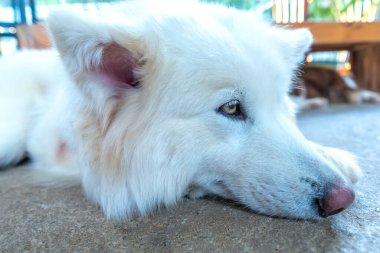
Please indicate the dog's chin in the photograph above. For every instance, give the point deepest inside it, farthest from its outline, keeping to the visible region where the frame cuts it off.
(311, 211)
(301, 215)
(308, 215)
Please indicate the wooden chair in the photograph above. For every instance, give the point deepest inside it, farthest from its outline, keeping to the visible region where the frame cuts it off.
(9, 29)
(33, 36)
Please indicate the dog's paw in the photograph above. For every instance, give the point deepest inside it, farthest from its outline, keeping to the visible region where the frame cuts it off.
(347, 164)
(364, 97)
(11, 152)
(343, 161)
(370, 97)
(315, 103)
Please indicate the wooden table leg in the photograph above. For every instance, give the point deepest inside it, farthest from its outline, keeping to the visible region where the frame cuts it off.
(366, 66)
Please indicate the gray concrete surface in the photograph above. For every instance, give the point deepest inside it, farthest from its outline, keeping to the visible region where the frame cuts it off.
(42, 219)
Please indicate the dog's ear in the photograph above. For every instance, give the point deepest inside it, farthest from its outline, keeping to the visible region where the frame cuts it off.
(99, 52)
(297, 44)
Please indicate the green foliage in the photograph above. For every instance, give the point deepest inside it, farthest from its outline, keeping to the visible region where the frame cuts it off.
(328, 10)
(5, 3)
(46, 2)
(239, 4)
(49, 2)
(92, 1)
(325, 11)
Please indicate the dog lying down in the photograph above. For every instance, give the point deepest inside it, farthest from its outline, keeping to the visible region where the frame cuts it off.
(152, 106)
(318, 86)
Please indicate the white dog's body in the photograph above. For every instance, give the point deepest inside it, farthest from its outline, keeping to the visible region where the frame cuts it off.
(138, 107)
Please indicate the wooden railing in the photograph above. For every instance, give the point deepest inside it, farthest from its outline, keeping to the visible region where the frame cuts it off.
(361, 39)
(332, 36)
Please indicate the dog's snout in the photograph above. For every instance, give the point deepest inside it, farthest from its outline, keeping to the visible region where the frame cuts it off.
(335, 200)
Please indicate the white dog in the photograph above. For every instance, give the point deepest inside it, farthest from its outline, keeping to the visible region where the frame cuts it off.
(154, 105)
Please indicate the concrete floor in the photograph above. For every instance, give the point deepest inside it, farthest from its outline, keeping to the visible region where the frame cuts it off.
(41, 219)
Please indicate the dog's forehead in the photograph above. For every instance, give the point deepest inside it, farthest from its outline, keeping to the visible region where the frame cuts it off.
(225, 52)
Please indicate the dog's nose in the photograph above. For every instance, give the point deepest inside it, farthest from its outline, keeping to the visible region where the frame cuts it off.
(335, 200)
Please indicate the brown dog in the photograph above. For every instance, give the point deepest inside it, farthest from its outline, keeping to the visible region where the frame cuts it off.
(318, 86)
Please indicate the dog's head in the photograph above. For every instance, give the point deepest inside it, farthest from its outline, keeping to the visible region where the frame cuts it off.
(166, 102)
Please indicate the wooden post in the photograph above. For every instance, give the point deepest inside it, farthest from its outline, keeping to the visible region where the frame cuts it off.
(306, 10)
(366, 66)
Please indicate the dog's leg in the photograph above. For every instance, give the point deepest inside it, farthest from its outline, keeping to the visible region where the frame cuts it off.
(344, 161)
(26, 78)
(14, 123)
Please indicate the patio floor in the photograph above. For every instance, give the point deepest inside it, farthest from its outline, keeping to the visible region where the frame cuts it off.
(41, 219)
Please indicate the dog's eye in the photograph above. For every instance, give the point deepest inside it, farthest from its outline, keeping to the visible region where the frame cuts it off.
(232, 108)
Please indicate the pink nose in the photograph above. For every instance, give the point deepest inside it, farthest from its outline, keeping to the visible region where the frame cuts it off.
(335, 200)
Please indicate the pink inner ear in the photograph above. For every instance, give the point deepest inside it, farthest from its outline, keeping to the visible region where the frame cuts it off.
(117, 67)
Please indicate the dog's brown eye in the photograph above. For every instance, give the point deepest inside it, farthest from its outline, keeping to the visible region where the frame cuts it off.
(231, 108)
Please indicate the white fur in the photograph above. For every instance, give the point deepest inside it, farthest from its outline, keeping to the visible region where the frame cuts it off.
(141, 148)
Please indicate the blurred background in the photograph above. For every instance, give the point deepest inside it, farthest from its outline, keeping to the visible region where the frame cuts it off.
(19, 26)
